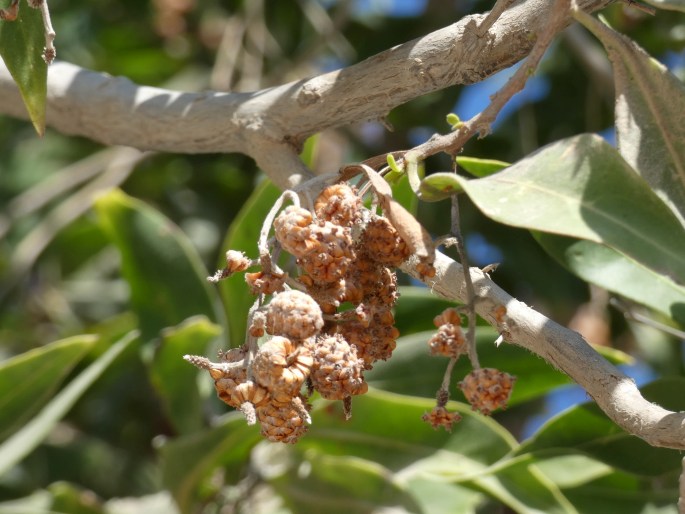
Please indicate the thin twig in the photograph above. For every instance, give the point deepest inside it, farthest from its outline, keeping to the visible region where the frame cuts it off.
(493, 16)
(49, 52)
(681, 483)
(447, 377)
(480, 123)
(640, 7)
(470, 291)
(262, 244)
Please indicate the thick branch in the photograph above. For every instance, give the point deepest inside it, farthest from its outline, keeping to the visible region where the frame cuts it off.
(615, 393)
(116, 111)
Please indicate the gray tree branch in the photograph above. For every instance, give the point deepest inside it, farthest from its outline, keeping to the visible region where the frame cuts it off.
(615, 393)
(115, 111)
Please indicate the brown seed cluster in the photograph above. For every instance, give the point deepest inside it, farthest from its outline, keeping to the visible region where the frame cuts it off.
(449, 340)
(487, 389)
(345, 258)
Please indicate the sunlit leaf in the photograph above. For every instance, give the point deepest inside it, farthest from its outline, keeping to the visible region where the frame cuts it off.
(29, 379)
(650, 112)
(439, 186)
(243, 235)
(616, 272)
(166, 276)
(174, 378)
(21, 47)
(581, 187)
(481, 167)
(21, 443)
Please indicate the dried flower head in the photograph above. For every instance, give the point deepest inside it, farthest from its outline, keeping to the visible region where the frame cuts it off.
(487, 389)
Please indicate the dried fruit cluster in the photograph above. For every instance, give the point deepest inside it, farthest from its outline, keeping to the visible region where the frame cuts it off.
(345, 257)
(486, 389)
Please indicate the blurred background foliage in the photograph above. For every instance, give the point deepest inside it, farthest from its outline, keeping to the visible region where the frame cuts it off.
(61, 274)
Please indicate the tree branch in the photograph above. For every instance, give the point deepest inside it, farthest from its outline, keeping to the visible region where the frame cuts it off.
(615, 393)
(115, 111)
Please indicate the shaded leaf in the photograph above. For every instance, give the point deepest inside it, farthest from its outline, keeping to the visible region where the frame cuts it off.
(619, 492)
(650, 112)
(21, 47)
(439, 186)
(518, 483)
(243, 235)
(68, 498)
(175, 379)
(387, 428)
(188, 460)
(29, 379)
(587, 429)
(416, 308)
(481, 167)
(20, 444)
(581, 187)
(671, 5)
(339, 484)
(616, 272)
(166, 276)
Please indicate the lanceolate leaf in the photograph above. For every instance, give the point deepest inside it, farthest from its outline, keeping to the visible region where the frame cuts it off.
(29, 379)
(581, 187)
(650, 114)
(21, 47)
(166, 276)
(32, 434)
(616, 272)
(175, 379)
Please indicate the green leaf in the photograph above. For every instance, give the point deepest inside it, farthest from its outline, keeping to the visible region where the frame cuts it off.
(188, 460)
(620, 492)
(671, 5)
(387, 428)
(481, 167)
(338, 484)
(21, 47)
(69, 498)
(242, 236)
(650, 112)
(29, 379)
(166, 276)
(519, 483)
(581, 187)
(587, 429)
(439, 186)
(616, 272)
(20, 444)
(436, 497)
(174, 379)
